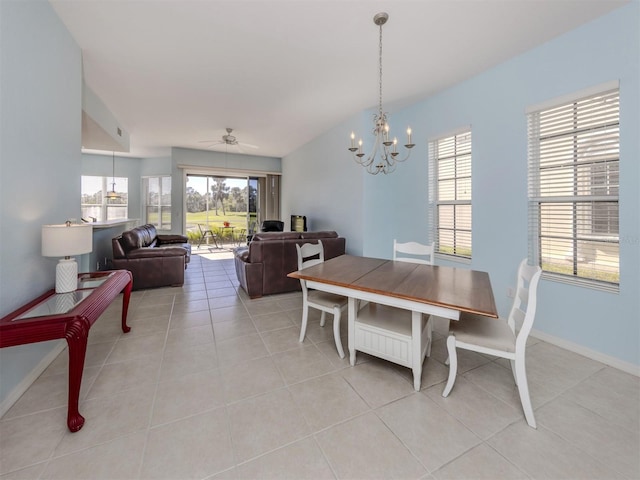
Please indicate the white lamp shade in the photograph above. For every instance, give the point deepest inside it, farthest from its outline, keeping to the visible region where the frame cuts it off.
(66, 240)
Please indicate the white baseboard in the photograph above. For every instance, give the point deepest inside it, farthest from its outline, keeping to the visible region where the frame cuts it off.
(587, 352)
(26, 382)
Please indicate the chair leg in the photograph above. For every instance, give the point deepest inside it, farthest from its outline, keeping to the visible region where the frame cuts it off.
(523, 390)
(303, 327)
(513, 371)
(323, 318)
(453, 365)
(430, 327)
(336, 331)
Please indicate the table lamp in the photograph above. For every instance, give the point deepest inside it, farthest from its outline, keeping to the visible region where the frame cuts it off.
(64, 241)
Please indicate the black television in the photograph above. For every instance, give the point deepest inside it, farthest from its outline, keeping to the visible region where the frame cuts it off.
(298, 223)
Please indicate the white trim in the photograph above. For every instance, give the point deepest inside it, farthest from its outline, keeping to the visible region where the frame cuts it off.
(582, 282)
(587, 352)
(571, 97)
(224, 172)
(453, 258)
(31, 377)
(450, 133)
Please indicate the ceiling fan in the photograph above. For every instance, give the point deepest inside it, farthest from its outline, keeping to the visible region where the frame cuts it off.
(228, 139)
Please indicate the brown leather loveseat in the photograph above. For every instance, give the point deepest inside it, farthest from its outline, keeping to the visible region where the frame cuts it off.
(263, 265)
(154, 260)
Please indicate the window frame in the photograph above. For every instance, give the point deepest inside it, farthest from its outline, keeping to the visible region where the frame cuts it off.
(594, 200)
(435, 202)
(160, 226)
(104, 205)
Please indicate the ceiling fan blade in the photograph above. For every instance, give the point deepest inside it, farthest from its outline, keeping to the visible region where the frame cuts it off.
(207, 141)
(248, 145)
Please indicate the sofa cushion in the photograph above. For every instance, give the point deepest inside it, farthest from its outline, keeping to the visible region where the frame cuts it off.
(275, 236)
(321, 234)
(131, 240)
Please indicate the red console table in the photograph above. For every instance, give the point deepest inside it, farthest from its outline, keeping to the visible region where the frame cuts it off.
(68, 315)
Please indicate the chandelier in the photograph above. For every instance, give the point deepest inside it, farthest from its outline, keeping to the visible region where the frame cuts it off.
(386, 148)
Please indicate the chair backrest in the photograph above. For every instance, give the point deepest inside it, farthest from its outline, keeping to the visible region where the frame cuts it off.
(413, 248)
(523, 310)
(201, 229)
(307, 253)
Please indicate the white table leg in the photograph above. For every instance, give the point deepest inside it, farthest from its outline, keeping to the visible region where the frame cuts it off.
(416, 347)
(351, 318)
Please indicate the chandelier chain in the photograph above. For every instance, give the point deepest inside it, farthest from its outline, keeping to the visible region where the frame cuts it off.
(380, 71)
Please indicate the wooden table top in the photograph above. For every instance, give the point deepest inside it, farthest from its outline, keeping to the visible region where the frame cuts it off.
(460, 289)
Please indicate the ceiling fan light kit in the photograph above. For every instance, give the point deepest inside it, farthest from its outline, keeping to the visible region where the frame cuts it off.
(227, 140)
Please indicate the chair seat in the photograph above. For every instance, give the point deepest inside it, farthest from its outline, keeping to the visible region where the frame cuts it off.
(486, 332)
(329, 300)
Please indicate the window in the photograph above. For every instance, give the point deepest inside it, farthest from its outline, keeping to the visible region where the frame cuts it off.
(574, 161)
(94, 202)
(450, 193)
(157, 201)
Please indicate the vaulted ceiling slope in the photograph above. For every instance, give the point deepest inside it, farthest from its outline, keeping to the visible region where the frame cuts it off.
(175, 73)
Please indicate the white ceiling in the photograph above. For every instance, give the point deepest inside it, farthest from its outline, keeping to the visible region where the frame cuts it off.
(175, 73)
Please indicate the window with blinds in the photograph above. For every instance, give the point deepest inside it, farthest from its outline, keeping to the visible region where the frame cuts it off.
(450, 193)
(574, 173)
(156, 200)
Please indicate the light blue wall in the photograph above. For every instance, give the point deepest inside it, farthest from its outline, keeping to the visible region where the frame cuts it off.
(209, 159)
(155, 166)
(126, 167)
(494, 104)
(322, 182)
(40, 140)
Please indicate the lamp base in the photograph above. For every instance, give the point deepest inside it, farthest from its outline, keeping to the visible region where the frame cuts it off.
(66, 275)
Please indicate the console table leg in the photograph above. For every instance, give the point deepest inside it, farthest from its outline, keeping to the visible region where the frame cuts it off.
(125, 304)
(76, 335)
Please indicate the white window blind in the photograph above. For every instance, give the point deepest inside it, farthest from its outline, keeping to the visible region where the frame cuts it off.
(157, 201)
(574, 176)
(450, 194)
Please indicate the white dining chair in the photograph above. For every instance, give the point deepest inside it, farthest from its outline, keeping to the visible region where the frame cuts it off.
(413, 252)
(498, 337)
(310, 254)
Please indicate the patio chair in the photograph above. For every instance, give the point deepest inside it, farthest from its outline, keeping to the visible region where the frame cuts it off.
(206, 234)
(241, 236)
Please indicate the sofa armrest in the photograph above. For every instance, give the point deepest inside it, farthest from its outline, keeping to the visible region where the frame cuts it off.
(249, 276)
(164, 239)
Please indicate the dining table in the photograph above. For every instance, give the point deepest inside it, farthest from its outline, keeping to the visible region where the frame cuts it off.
(420, 289)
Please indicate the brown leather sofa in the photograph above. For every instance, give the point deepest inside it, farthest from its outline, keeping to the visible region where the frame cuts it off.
(263, 265)
(154, 260)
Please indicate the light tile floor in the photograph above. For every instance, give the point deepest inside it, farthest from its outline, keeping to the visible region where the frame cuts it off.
(211, 385)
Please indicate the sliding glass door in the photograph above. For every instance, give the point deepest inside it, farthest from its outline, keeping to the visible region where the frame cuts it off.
(227, 205)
